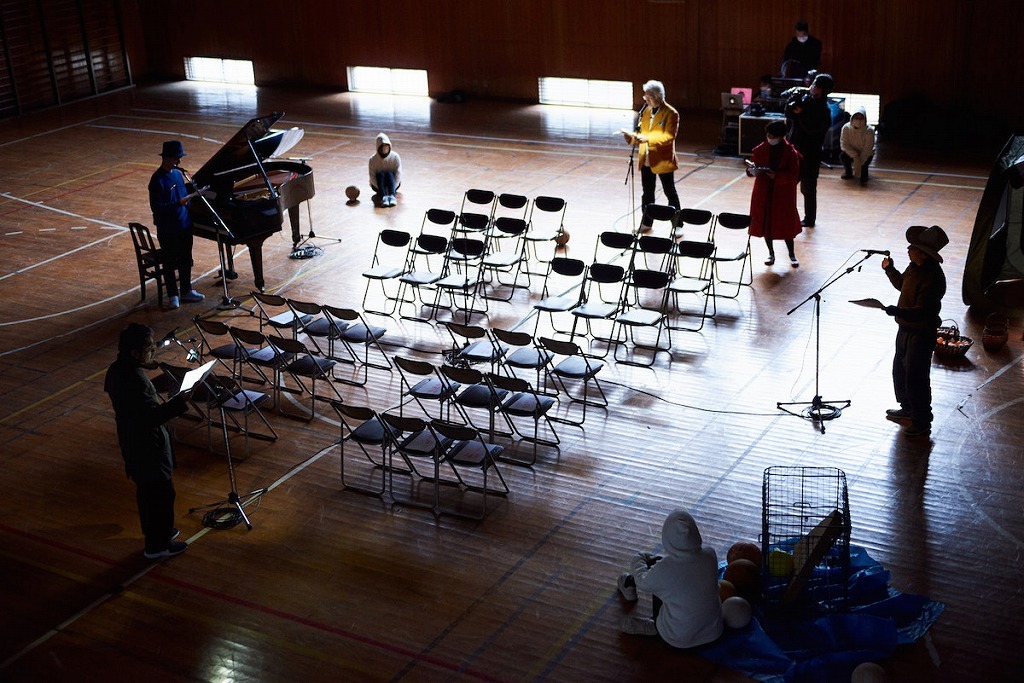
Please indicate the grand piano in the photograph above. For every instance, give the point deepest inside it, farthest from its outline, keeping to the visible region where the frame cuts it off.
(248, 196)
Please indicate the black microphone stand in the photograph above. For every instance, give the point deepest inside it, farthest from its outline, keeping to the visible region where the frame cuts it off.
(299, 250)
(227, 303)
(818, 410)
(631, 169)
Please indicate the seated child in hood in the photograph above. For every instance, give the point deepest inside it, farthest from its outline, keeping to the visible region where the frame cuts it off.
(385, 171)
(684, 585)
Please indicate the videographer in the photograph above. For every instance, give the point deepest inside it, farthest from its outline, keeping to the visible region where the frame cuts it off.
(809, 119)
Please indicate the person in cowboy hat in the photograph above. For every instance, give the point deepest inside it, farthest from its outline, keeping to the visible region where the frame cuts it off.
(922, 286)
(168, 199)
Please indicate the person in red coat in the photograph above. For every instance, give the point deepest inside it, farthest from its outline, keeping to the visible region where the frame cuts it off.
(775, 167)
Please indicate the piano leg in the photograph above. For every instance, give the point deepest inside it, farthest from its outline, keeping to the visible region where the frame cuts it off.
(256, 256)
(293, 217)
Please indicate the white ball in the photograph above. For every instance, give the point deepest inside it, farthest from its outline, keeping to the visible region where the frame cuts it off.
(869, 672)
(736, 612)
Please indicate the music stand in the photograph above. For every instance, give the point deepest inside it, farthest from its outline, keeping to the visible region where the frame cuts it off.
(225, 514)
(818, 410)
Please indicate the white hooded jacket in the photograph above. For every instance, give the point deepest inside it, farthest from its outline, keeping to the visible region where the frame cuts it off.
(858, 142)
(686, 581)
(392, 162)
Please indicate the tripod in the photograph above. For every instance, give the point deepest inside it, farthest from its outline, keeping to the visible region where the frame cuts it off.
(224, 514)
(818, 410)
(299, 251)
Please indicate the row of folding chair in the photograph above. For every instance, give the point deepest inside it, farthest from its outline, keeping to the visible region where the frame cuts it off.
(732, 246)
(462, 257)
(559, 368)
(435, 452)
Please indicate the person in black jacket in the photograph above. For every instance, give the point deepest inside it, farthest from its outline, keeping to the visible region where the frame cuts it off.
(802, 53)
(922, 286)
(810, 118)
(144, 440)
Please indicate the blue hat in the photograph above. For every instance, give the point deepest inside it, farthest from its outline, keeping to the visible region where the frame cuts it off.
(173, 148)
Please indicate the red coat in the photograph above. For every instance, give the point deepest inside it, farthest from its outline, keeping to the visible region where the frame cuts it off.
(773, 212)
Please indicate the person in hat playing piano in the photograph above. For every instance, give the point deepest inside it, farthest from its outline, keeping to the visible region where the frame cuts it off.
(168, 199)
(922, 286)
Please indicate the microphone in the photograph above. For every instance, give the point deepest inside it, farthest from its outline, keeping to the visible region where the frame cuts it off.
(880, 252)
(168, 338)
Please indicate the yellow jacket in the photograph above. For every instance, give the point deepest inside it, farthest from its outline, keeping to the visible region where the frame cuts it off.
(661, 132)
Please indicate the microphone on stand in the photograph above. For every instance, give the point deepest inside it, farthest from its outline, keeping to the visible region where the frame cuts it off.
(880, 252)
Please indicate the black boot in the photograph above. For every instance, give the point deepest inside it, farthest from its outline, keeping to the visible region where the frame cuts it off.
(848, 170)
(864, 174)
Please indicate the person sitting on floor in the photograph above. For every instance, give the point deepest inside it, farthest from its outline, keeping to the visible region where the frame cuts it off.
(683, 584)
(385, 171)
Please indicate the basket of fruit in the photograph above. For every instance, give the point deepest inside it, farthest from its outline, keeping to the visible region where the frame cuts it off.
(950, 343)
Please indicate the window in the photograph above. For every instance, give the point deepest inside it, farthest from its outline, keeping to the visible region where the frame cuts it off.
(855, 101)
(219, 70)
(580, 92)
(389, 81)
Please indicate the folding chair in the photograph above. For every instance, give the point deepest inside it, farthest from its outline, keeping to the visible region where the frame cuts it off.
(547, 225)
(317, 327)
(421, 275)
(655, 252)
(463, 278)
(471, 392)
(233, 404)
(361, 426)
(522, 353)
(602, 300)
(656, 216)
(577, 367)
(355, 332)
(411, 439)
(734, 248)
(693, 276)
(256, 352)
(636, 315)
(506, 256)
(477, 210)
(465, 451)
(305, 369)
(522, 401)
(149, 259)
(285, 320)
(696, 218)
(562, 291)
(615, 247)
(390, 262)
(471, 344)
(421, 384)
(227, 354)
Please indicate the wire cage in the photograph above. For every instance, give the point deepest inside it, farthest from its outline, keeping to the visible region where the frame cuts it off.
(805, 539)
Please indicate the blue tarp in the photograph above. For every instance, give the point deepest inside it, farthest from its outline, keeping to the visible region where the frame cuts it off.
(828, 648)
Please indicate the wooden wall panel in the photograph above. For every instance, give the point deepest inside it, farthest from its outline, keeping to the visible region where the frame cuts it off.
(951, 51)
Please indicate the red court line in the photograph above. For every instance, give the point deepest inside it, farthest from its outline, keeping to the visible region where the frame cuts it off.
(258, 607)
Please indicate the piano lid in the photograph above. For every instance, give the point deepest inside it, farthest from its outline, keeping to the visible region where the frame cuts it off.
(236, 153)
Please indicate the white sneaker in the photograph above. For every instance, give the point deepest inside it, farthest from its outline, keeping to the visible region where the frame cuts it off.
(627, 586)
(192, 296)
(638, 626)
(172, 303)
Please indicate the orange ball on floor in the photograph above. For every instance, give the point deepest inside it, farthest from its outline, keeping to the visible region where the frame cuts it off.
(745, 550)
(745, 575)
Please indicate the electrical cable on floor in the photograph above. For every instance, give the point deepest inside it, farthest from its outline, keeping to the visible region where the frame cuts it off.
(687, 405)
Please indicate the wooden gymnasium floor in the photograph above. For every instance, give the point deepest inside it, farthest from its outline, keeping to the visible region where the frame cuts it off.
(331, 585)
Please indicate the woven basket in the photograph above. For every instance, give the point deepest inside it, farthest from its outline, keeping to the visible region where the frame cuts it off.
(950, 343)
(996, 332)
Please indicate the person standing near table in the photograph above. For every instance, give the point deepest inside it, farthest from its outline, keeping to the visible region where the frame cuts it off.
(656, 128)
(810, 118)
(144, 440)
(168, 199)
(802, 53)
(922, 286)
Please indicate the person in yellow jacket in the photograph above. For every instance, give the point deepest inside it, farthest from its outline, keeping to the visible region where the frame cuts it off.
(655, 132)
